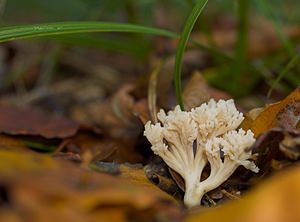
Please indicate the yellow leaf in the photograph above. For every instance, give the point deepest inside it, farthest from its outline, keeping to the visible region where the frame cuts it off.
(35, 187)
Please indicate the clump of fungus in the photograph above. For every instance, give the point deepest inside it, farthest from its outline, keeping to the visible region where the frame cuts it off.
(188, 141)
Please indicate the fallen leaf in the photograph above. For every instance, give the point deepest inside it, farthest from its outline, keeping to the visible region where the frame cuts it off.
(138, 176)
(115, 115)
(158, 173)
(131, 172)
(250, 117)
(35, 188)
(290, 146)
(12, 163)
(140, 110)
(119, 118)
(24, 121)
(284, 114)
(197, 91)
(85, 142)
(276, 149)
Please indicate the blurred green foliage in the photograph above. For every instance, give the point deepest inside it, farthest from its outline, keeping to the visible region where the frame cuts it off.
(238, 76)
(39, 11)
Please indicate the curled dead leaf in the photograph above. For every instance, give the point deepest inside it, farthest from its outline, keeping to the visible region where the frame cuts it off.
(284, 114)
(24, 121)
(197, 91)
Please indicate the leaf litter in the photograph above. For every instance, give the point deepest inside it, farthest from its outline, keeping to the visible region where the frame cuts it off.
(35, 188)
(116, 190)
(100, 168)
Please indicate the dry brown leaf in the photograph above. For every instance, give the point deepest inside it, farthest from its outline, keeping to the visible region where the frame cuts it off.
(24, 121)
(197, 91)
(115, 115)
(276, 148)
(277, 200)
(290, 146)
(284, 114)
(89, 146)
(158, 173)
(140, 110)
(120, 119)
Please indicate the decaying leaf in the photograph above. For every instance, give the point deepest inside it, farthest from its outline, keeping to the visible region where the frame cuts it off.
(290, 146)
(277, 200)
(158, 173)
(137, 174)
(120, 118)
(284, 114)
(277, 129)
(24, 121)
(116, 115)
(276, 149)
(197, 91)
(88, 144)
(140, 111)
(35, 187)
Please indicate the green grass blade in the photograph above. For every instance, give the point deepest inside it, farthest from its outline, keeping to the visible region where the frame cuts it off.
(60, 28)
(49, 29)
(243, 28)
(287, 68)
(137, 49)
(238, 67)
(188, 27)
(39, 146)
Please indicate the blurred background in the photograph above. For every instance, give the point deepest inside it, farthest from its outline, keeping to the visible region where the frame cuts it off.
(247, 45)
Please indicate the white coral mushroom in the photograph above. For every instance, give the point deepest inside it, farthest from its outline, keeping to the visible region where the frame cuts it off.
(188, 141)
